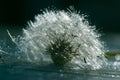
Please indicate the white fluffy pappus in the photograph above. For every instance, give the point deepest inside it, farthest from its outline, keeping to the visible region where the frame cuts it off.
(35, 39)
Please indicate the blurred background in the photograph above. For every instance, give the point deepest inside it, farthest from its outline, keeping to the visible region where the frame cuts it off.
(105, 14)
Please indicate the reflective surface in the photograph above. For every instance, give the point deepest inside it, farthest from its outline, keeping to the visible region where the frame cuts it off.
(30, 72)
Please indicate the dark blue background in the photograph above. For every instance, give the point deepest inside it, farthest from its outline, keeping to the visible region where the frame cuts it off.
(105, 14)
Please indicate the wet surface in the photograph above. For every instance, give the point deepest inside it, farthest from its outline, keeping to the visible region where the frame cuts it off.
(32, 72)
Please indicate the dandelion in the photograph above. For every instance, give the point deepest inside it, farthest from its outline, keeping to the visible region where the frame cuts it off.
(62, 38)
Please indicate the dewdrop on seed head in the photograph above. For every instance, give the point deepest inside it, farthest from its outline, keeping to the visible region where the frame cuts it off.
(62, 38)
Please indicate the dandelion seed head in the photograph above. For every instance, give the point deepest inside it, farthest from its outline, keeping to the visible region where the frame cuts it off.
(62, 29)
